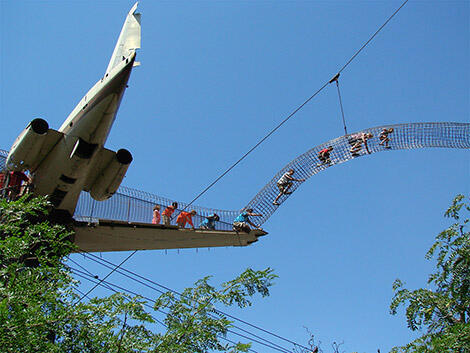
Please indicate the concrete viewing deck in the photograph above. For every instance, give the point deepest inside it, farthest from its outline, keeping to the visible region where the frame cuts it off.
(109, 235)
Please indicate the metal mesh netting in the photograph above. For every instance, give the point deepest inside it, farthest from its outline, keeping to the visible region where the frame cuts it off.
(404, 136)
(136, 206)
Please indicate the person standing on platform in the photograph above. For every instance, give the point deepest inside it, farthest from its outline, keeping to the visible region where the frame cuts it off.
(166, 215)
(156, 214)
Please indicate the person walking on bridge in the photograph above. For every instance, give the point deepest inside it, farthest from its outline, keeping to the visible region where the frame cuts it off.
(284, 184)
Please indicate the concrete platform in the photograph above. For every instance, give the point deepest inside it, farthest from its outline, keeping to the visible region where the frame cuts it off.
(109, 235)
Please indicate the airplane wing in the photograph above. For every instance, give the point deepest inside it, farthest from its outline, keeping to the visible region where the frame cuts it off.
(109, 235)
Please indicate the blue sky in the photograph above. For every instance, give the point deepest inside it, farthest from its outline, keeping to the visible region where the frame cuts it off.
(215, 78)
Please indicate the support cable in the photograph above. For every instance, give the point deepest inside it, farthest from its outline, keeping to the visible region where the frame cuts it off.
(103, 261)
(372, 37)
(336, 79)
(296, 110)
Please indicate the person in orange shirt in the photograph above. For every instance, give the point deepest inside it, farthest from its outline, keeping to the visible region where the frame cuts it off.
(185, 217)
(156, 214)
(166, 215)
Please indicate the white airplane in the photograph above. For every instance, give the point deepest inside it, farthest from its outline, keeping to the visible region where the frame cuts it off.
(63, 163)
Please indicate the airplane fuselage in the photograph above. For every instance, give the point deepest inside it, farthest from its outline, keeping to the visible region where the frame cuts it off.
(67, 161)
(63, 172)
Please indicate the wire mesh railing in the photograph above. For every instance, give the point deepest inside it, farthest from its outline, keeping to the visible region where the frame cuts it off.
(133, 205)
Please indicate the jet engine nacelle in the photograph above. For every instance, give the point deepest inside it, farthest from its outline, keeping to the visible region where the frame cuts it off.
(111, 176)
(27, 145)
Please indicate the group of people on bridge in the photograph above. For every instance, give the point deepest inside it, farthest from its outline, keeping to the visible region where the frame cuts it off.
(183, 217)
(14, 184)
(356, 141)
(241, 223)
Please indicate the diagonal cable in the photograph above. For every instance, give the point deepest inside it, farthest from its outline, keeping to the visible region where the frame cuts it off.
(295, 111)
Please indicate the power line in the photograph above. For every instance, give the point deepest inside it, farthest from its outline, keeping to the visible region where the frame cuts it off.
(103, 261)
(102, 280)
(108, 286)
(99, 260)
(84, 269)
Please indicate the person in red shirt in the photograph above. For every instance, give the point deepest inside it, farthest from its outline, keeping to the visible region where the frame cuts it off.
(166, 214)
(2, 179)
(324, 156)
(3, 184)
(185, 217)
(15, 184)
(156, 214)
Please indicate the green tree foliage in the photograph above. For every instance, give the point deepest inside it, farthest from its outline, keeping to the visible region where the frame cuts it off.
(444, 307)
(40, 310)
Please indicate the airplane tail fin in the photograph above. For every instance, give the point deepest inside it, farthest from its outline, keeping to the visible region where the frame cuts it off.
(129, 39)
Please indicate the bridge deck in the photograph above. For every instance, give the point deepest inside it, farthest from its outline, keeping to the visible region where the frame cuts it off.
(109, 235)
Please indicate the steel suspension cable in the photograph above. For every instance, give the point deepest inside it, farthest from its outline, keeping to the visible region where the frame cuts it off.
(295, 111)
(372, 37)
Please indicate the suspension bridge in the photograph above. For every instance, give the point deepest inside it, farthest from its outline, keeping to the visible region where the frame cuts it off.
(131, 205)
